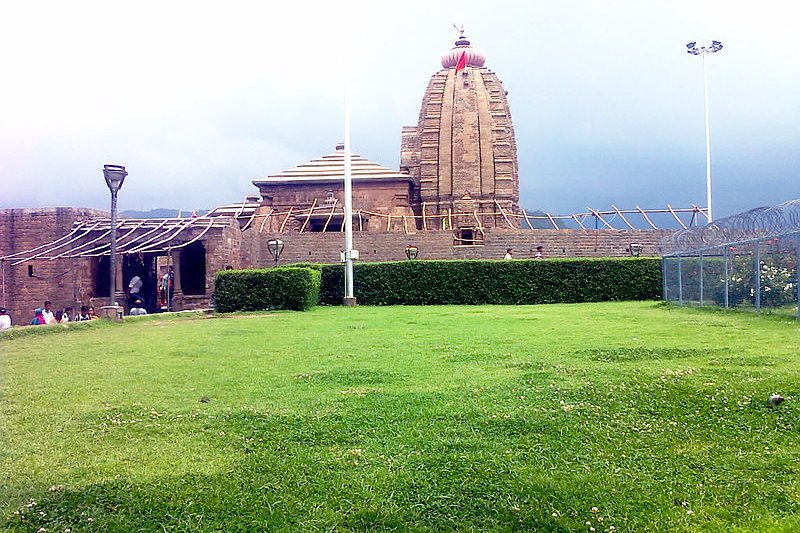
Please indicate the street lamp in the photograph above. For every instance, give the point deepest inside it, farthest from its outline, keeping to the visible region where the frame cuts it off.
(704, 50)
(275, 247)
(115, 175)
(412, 251)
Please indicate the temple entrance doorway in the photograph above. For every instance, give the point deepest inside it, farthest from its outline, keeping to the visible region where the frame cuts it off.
(144, 266)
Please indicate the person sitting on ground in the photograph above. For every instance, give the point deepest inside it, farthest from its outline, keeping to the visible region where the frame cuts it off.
(58, 316)
(47, 312)
(5, 320)
(68, 315)
(92, 314)
(38, 317)
(138, 308)
(84, 314)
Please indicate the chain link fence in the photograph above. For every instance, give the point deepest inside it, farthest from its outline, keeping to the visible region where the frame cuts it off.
(748, 260)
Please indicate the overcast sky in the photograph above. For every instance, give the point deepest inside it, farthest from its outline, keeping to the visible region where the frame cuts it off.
(197, 99)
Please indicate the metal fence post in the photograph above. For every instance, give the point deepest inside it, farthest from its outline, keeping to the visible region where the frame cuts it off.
(680, 282)
(727, 275)
(797, 272)
(664, 277)
(758, 274)
(701, 278)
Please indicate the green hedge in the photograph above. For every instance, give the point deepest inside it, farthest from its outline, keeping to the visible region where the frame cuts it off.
(496, 282)
(274, 288)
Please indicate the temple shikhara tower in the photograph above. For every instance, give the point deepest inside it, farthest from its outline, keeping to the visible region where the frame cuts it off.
(463, 152)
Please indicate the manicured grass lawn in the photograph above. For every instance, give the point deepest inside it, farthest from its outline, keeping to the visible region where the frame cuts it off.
(616, 416)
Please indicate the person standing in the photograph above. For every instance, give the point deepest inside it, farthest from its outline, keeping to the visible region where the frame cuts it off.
(5, 320)
(134, 289)
(47, 313)
(508, 255)
(539, 253)
(167, 288)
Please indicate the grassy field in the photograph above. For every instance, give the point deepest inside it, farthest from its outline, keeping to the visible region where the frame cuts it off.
(591, 417)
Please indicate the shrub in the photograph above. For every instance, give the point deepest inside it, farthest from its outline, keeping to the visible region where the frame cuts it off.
(496, 282)
(275, 288)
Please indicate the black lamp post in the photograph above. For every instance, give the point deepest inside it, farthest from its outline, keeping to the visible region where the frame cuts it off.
(412, 251)
(115, 175)
(275, 247)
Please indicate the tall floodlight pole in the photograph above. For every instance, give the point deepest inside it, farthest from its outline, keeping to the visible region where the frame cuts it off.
(704, 50)
(349, 297)
(114, 175)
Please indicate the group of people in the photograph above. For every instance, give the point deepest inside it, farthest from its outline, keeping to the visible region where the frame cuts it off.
(539, 254)
(137, 303)
(136, 296)
(43, 316)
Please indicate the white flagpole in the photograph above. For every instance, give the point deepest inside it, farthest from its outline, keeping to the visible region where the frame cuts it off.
(349, 297)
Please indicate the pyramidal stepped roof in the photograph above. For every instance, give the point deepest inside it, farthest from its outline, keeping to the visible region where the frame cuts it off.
(331, 168)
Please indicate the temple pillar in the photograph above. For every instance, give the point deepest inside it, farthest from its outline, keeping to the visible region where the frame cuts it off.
(176, 261)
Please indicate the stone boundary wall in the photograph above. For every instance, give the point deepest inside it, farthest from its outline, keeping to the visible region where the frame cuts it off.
(325, 247)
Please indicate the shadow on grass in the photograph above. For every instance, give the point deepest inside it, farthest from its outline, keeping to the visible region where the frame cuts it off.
(643, 353)
(258, 497)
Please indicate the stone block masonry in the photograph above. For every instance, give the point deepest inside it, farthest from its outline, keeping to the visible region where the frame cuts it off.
(390, 246)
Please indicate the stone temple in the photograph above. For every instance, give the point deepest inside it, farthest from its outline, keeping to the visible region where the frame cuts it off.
(458, 166)
(462, 154)
(455, 196)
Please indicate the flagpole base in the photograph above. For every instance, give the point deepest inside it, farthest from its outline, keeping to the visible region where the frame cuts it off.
(349, 301)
